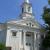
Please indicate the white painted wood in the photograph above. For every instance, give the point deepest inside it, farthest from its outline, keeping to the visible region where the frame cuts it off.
(26, 1)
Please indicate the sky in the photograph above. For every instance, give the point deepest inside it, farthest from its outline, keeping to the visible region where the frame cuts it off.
(11, 9)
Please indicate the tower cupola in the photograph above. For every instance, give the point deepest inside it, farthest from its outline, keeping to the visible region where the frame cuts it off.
(26, 9)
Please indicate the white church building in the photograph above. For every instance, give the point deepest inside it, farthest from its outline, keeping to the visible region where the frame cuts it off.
(23, 34)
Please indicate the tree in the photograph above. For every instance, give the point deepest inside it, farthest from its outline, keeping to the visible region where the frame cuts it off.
(2, 46)
(46, 17)
(49, 1)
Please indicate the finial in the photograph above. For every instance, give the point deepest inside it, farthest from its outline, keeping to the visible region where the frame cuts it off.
(26, 1)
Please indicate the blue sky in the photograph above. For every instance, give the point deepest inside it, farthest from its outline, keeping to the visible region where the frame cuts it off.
(10, 9)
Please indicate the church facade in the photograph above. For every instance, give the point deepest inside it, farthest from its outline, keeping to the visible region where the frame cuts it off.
(23, 34)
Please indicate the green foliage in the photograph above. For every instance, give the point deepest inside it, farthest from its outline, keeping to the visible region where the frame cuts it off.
(48, 1)
(46, 42)
(2, 46)
(46, 17)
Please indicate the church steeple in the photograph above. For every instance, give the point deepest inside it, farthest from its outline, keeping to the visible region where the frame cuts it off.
(26, 9)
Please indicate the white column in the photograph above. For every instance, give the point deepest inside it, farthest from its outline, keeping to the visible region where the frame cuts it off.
(24, 43)
(19, 35)
(35, 47)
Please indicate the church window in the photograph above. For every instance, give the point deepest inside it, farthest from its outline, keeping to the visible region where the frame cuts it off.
(28, 9)
(27, 24)
(39, 44)
(22, 10)
(29, 44)
(14, 33)
(26, 43)
(32, 25)
(28, 35)
(42, 37)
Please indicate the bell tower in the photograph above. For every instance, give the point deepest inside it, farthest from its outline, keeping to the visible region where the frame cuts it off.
(26, 9)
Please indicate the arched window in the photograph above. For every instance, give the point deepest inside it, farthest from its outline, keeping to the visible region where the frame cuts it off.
(28, 9)
(22, 10)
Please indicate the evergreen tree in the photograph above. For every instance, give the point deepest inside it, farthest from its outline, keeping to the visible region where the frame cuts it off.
(46, 17)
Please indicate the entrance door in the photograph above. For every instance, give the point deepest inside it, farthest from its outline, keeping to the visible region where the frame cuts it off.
(8, 48)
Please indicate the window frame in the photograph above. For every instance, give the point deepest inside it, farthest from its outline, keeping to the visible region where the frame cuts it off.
(14, 33)
(29, 9)
(28, 44)
(28, 35)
